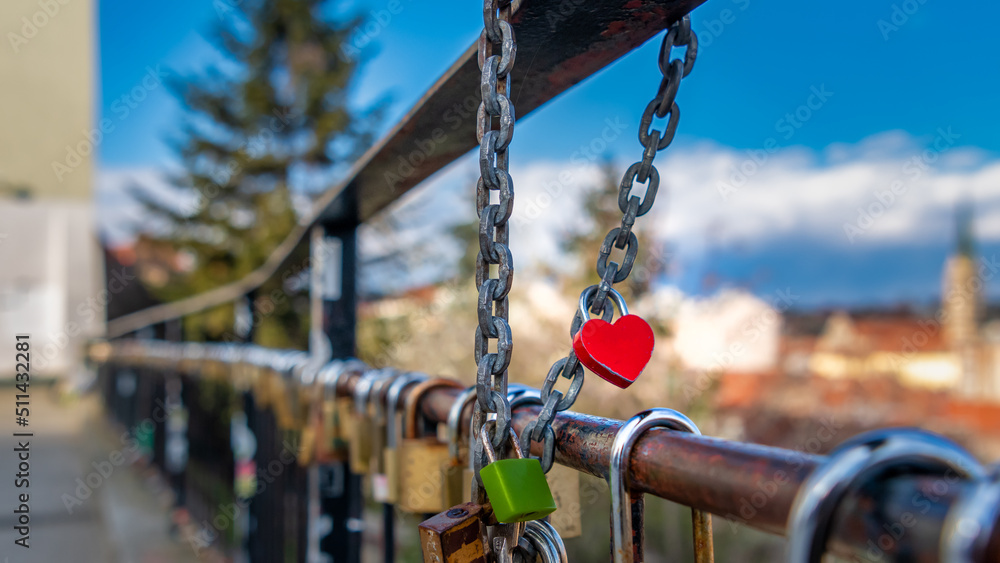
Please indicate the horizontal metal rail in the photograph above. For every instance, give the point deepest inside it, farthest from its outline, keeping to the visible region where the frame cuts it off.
(563, 42)
(899, 518)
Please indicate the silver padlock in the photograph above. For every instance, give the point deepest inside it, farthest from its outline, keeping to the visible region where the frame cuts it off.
(360, 440)
(457, 486)
(543, 539)
(380, 424)
(622, 548)
(855, 462)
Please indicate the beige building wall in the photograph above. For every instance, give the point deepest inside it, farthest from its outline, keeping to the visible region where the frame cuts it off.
(51, 273)
(47, 62)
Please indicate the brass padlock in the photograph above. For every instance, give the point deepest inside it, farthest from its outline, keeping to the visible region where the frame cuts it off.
(307, 403)
(453, 536)
(359, 450)
(564, 482)
(458, 474)
(343, 415)
(333, 411)
(392, 433)
(284, 398)
(421, 460)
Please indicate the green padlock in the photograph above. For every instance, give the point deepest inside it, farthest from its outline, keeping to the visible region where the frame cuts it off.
(516, 488)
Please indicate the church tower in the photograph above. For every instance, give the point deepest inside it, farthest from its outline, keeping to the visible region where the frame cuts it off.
(961, 294)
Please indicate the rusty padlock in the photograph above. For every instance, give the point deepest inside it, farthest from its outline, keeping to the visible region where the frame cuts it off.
(454, 536)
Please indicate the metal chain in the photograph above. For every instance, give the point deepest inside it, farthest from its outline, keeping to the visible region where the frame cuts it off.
(494, 130)
(674, 70)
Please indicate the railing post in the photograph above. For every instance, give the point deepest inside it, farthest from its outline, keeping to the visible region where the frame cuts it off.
(175, 459)
(339, 490)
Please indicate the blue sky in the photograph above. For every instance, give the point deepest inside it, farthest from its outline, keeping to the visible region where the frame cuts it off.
(891, 88)
(942, 66)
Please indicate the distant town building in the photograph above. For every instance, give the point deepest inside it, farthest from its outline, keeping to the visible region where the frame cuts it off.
(950, 351)
(903, 346)
(961, 288)
(732, 331)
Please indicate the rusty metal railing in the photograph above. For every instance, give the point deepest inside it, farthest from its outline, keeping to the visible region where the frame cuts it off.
(750, 484)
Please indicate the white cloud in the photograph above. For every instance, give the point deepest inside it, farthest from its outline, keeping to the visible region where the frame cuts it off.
(118, 214)
(794, 194)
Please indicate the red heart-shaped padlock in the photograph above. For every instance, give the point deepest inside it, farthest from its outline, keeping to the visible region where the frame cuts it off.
(617, 352)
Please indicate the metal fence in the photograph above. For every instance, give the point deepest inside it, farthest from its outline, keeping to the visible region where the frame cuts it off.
(257, 443)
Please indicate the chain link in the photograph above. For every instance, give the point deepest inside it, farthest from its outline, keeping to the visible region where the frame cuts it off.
(494, 130)
(622, 238)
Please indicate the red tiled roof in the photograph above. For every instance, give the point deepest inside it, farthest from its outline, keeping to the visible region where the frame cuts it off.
(900, 334)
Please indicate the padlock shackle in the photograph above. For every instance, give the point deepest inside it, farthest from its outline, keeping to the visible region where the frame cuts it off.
(306, 371)
(621, 451)
(980, 507)
(463, 400)
(363, 388)
(484, 439)
(331, 371)
(392, 403)
(858, 460)
(320, 385)
(615, 296)
(547, 541)
(413, 401)
(284, 362)
(376, 392)
(521, 395)
(336, 370)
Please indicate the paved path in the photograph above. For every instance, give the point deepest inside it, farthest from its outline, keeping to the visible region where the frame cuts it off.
(122, 521)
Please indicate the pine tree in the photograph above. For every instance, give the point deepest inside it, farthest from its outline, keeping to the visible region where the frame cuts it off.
(273, 121)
